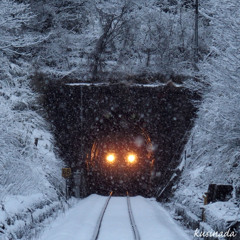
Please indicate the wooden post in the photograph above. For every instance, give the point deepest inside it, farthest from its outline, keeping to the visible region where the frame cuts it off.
(205, 202)
(205, 198)
(203, 214)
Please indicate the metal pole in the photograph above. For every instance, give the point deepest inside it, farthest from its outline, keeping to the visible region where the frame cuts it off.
(80, 171)
(196, 32)
(81, 125)
(66, 189)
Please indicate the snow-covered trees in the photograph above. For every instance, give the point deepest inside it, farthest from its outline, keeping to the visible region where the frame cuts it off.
(13, 17)
(24, 168)
(213, 150)
(219, 115)
(149, 37)
(63, 23)
(78, 37)
(128, 37)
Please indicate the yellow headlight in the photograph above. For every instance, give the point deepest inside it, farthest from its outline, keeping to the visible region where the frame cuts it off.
(110, 158)
(131, 158)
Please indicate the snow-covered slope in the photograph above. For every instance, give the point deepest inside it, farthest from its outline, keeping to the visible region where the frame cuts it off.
(30, 176)
(212, 153)
(30, 171)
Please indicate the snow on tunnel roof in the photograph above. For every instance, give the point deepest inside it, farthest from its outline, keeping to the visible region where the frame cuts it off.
(130, 85)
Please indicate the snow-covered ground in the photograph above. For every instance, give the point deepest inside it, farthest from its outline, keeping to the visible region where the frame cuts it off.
(152, 220)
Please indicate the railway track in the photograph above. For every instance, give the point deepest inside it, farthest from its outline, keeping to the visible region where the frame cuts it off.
(97, 231)
(132, 221)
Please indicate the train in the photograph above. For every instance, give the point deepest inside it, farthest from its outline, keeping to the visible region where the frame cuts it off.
(121, 161)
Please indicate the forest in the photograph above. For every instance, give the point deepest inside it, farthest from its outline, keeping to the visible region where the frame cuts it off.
(117, 40)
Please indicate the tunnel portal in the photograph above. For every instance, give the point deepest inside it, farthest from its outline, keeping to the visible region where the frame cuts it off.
(86, 115)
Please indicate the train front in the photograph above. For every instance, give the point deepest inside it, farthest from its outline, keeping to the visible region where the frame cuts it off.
(121, 162)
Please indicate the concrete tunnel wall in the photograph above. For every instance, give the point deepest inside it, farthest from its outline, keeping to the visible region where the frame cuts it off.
(79, 113)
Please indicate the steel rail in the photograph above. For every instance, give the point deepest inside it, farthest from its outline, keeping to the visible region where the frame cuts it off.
(99, 222)
(132, 221)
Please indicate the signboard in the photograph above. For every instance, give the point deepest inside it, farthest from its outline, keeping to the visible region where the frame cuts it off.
(66, 172)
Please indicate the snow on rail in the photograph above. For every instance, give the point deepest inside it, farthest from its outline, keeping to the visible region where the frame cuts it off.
(99, 222)
(134, 227)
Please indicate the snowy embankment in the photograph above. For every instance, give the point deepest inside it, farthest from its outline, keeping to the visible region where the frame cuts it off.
(31, 187)
(212, 153)
(30, 171)
(21, 217)
(152, 220)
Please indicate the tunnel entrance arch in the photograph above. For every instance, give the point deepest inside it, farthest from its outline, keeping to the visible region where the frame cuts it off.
(81, 111)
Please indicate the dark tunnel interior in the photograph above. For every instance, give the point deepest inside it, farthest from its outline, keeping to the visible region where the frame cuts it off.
(121, 158)
(151, 122)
